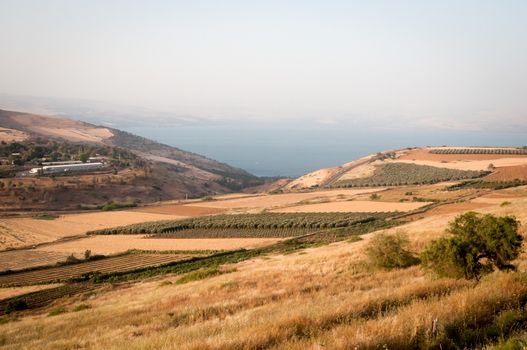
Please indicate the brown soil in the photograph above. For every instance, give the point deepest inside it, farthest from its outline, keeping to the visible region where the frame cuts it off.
(508, 173)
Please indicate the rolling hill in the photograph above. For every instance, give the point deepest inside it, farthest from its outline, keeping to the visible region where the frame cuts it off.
(160, 172)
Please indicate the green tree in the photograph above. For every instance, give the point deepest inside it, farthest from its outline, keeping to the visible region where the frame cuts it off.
(388, 251)
(478, 244)
(83, 157)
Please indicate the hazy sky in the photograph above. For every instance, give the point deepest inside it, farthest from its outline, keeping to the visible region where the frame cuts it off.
(421, 63)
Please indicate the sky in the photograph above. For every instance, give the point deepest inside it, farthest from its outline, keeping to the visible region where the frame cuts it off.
(394, 64)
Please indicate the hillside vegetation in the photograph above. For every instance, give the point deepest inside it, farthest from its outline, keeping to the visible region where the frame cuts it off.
(399, 174)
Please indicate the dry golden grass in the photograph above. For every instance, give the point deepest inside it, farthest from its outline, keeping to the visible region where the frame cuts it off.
(11, 135)
(312, 179)
(71, 130)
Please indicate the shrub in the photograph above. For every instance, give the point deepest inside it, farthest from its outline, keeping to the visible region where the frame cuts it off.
(81, 307)
(375, 197)
(87, 254)
(15, 305)
(388, 251)
(202, 274)
(478, 244)
(58, 311)
(71, 259)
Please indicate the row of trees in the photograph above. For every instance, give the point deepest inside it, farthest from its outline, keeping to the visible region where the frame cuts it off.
(397, 174)
(480, 151)
(251, 222)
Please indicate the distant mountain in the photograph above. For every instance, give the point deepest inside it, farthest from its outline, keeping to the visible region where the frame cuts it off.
(173, 173)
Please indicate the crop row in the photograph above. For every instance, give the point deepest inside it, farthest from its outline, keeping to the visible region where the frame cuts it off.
(400, 174)
(480, 184)
(60, 273)
(515, 151)
(263, 221)
(235, 233)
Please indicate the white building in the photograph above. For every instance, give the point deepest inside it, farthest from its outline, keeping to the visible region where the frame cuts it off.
(66, 168)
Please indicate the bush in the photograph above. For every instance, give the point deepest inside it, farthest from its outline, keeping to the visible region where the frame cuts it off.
(202, 274)
(15, 305)
(478, 244)
(81, 307)
(58, 311)
(375, 197)
(388, 251)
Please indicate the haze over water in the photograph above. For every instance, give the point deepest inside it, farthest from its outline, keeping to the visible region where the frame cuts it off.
(274, 151)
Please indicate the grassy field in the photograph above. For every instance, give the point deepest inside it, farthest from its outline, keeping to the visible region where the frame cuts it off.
(398, 174)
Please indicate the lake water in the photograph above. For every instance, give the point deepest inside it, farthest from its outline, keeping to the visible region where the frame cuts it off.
(273, 151)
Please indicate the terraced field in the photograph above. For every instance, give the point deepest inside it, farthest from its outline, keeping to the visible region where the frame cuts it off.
(113, 264)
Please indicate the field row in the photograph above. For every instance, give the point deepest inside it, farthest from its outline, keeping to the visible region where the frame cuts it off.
(235, 233)
(112, 264)
(402, 174)
(480, 184)
(253, 222)
(510, 151)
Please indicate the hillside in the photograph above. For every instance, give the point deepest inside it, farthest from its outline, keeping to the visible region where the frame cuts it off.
(427, 165)
(160, 172)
